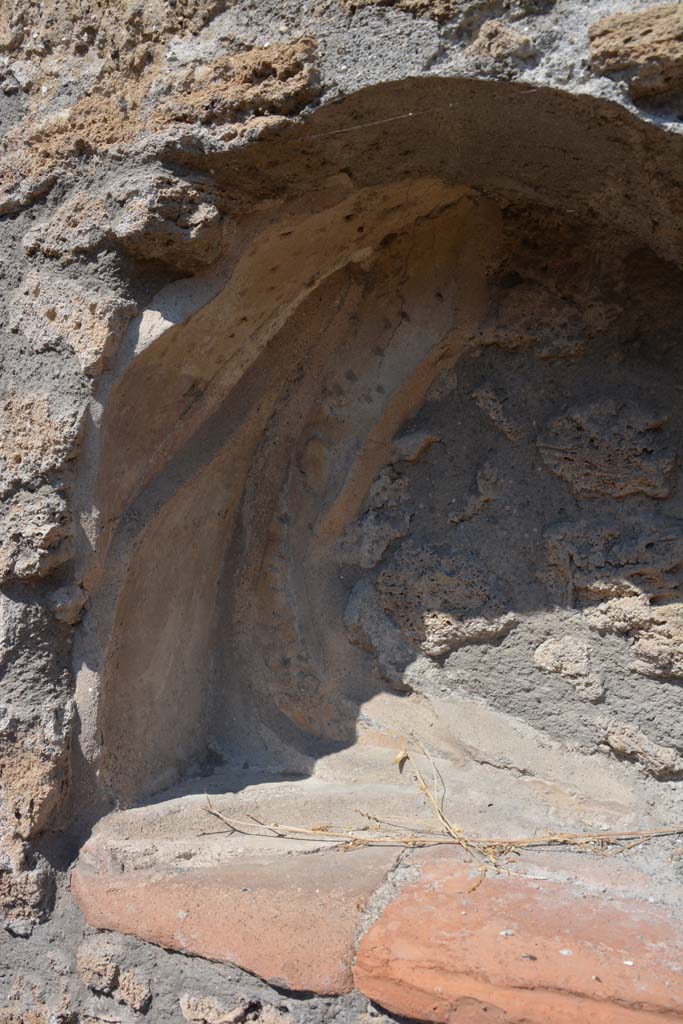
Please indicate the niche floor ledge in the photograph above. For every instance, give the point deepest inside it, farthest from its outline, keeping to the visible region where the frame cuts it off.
(292, 911)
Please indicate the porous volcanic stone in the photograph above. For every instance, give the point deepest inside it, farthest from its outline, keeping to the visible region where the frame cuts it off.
(646, 44)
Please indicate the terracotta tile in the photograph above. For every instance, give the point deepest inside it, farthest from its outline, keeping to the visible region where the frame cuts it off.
(521, 950)
(290, 919)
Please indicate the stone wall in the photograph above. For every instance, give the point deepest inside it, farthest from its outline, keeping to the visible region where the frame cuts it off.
(340, 356)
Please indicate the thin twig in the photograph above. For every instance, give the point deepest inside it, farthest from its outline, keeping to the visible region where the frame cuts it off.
(490, 852)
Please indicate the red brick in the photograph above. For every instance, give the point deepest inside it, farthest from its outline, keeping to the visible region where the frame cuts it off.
(290, 919)
(521, 950)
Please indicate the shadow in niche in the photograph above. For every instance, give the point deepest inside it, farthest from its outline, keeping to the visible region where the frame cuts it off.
(453, 466)
(522, 543)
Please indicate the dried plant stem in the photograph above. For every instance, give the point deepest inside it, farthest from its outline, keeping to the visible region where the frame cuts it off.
(420, 839)
(488, 851)
(432, 795)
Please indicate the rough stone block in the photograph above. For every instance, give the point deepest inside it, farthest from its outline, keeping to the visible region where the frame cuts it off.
(646, 44)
